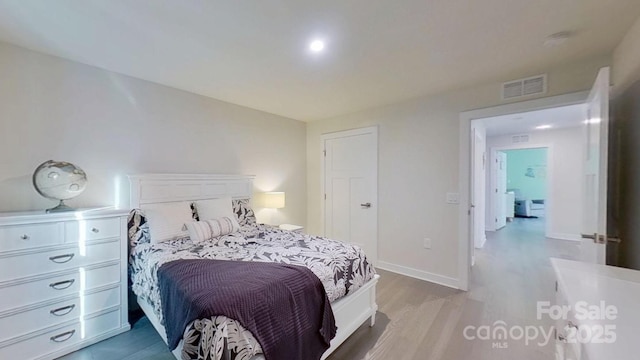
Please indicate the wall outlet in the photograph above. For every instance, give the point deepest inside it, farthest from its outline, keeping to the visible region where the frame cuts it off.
(427, 243)
(453, 198)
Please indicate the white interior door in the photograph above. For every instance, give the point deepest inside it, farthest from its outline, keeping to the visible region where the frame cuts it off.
(350, 184)
(499, 189)
(594, 209)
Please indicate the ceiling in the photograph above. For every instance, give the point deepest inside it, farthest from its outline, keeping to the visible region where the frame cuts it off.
(254, 53)
(558, 118)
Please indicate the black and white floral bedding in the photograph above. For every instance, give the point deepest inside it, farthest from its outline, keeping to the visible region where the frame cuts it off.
(342, 268)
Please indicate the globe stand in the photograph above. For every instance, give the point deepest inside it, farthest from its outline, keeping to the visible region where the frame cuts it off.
(60, 208)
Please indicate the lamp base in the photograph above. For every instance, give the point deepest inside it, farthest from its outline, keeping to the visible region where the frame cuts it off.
(62, 207)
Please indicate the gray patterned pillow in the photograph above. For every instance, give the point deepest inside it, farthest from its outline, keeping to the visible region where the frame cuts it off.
(244, 213)
(138, 228)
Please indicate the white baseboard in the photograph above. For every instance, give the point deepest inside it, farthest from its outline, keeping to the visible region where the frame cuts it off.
(482, 242)
(419, 274)
(561, 236)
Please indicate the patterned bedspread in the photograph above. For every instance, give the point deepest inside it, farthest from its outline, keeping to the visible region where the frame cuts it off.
(341, 267)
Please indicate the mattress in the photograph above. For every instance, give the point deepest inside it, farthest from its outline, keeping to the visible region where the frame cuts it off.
(341, 267)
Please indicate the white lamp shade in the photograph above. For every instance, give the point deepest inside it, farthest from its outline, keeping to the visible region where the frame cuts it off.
(273, 200)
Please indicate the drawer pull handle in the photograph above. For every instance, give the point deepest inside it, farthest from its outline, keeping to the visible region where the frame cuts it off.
(95, 230)
(58, 311)
(58, 285)
(56, 258)
(66, 335)
(24, 237)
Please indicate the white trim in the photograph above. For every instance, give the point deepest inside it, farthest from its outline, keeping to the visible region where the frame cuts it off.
(342, 134)
(464, 183)
(419, 274)
(351, 132)
(562, 236)
(483, 240)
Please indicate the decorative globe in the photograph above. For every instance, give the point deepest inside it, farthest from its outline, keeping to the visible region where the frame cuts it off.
(59, 180)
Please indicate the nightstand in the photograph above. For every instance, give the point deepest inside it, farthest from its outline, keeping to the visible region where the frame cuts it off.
(290, 227)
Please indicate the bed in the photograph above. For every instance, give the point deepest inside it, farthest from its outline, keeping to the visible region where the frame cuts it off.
(348, 279)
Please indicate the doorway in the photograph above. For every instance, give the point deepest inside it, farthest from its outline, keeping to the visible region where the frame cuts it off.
(350, 185)
(467, 126)
(521, 186)
(519, 179)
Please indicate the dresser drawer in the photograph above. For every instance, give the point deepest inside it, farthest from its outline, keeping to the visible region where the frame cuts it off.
(26, 293)
(60, 312)
(16, 267)
(20, 237)
(88, 230)
(61, 338)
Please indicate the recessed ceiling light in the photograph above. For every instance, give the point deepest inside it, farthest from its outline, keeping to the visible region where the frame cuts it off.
(316, 45)
(593, 121)
(543, 127)
(557, 39)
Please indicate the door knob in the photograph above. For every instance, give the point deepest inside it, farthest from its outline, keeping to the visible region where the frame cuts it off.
(589, 236)
(366, 205)
(601, 239)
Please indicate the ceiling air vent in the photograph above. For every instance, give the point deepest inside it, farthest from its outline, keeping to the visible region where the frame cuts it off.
(518, 139)
(534, 85)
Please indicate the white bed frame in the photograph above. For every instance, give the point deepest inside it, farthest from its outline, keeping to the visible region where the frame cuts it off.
(350, 311)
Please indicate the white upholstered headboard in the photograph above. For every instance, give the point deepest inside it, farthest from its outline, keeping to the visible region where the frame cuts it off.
(162, 188)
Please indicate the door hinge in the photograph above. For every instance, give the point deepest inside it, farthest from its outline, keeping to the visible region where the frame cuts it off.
(496, 219)
(324, 152)
(325, 196)
(556, 286)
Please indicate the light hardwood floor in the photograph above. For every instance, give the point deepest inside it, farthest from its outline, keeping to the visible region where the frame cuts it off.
(418, 320)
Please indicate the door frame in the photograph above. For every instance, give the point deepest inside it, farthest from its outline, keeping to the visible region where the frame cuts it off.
(480, 203)
(549, 180)
(373, 130)
(465, 182)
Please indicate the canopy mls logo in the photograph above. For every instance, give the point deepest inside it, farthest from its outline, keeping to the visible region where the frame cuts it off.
(500, 332)
(597, 331)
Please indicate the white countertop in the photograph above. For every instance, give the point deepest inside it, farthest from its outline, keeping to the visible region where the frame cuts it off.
(616, 286)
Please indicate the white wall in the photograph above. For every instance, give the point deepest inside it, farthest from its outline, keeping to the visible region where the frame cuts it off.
(418, 164)
(564, 199)
(113, 125)
(626, 60)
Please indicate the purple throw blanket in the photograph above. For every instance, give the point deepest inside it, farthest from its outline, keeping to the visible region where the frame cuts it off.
(284, 306)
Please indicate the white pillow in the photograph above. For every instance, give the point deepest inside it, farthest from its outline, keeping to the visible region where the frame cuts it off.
(209, 229)
(215, 208)
(166, 221)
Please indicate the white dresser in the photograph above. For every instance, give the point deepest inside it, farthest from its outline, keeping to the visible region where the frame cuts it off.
(63, 281)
